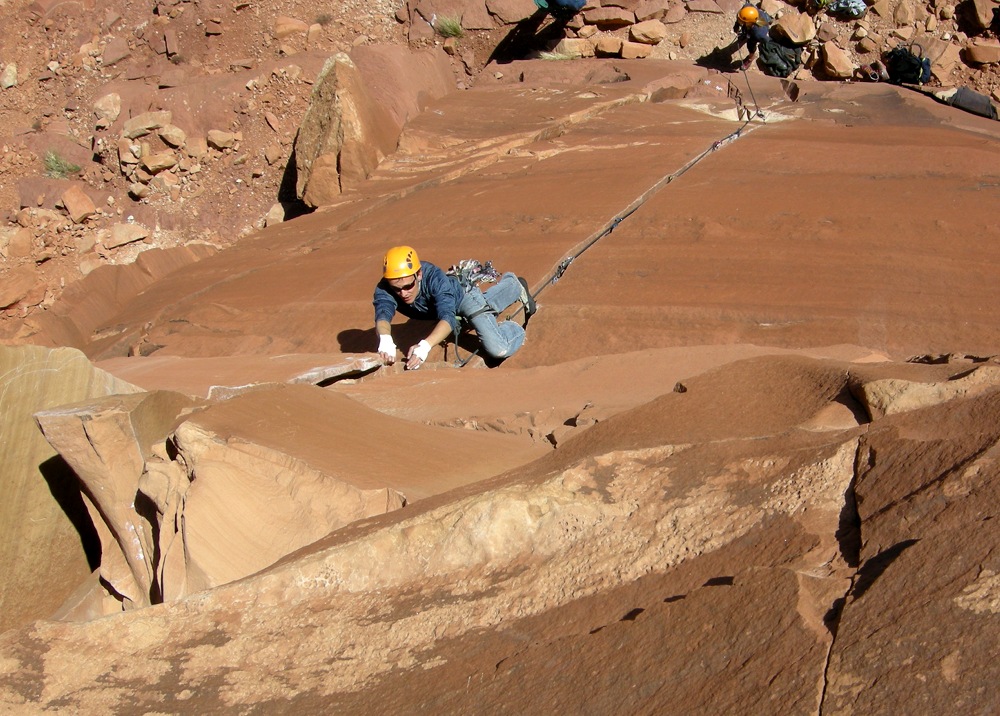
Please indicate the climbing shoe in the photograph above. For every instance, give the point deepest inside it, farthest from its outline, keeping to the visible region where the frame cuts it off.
(526, 300)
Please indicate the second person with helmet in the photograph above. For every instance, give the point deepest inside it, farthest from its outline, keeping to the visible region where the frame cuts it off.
(419, 289)
(752, 27)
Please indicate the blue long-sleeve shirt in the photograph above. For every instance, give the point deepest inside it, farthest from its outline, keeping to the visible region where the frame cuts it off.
(438, 299)
(755, 34)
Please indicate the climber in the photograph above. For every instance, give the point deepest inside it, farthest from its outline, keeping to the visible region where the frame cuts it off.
(752, 27)
(423, 291)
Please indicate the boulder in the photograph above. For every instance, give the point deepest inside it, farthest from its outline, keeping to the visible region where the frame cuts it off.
(476, 16)
(827, 31)
(983, 52)
(635, 50)
(882, 8)
(944, 56)
(867, 45)
(608, 46)
(16, 284)
(122, 234)
(8, 77)
(798, 27)
(115, 51)
(143, 124)
(609, 18)
(651, 10)
(173, 135)
(285, 27)
(836, 62)
(511, 12)
(107, 108)
(650, 32)
(904, 13)
(219, 139)
(675, 14)
(343, 136)
(982, 13)
(574, 47)
(709, 6)
(15, 242)
(78, 205)
(156, 163)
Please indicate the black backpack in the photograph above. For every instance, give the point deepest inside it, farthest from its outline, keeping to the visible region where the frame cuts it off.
(906, 67)
(778, 60)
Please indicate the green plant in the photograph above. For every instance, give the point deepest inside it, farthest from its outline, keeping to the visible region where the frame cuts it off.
(58, 168)
(449, 27)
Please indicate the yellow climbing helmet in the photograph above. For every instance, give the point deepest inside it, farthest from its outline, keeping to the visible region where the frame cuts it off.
(748, 15)
(400, 261)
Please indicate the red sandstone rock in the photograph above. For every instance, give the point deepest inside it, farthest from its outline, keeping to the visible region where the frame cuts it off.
(16, 285)
(609, 18)
(78, 204)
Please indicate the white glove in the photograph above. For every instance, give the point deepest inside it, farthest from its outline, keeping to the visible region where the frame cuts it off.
(421, 351)
(387, 346)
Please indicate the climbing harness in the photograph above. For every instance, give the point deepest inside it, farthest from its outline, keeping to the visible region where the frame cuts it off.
(470, 274)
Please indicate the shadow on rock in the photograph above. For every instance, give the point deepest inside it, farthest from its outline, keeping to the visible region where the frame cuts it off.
(720, 58)
(65, 488)
(356, 340)
(288, 193)
(874, 567)
(527, 37)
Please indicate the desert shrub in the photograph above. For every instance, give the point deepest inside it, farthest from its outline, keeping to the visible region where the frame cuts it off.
(58, 168)
(449, 27)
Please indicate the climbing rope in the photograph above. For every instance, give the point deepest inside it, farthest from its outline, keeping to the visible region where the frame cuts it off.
(734, 93)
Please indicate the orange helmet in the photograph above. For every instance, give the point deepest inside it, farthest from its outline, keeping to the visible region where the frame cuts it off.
(400, 261)
(748, 15)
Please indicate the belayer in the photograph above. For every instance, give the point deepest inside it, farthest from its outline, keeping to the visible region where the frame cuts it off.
(752, 27)
(423, 291)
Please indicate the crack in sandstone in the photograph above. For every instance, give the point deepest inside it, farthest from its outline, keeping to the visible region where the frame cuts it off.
(850, 554)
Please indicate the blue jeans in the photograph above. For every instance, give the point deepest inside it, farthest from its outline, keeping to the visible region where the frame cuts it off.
(499, 340)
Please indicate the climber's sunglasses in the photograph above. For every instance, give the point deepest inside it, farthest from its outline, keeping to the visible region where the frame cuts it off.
(404, 289)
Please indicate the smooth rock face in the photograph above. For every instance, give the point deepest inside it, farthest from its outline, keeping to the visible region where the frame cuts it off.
(777, 534)
(793, 545)
(47, 542)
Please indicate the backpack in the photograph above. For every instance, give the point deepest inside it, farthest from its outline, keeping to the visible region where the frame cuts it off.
(906, 67)
(778, 60)
(847, 8)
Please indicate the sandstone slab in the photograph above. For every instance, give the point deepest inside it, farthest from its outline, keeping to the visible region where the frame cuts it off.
(48, 544)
